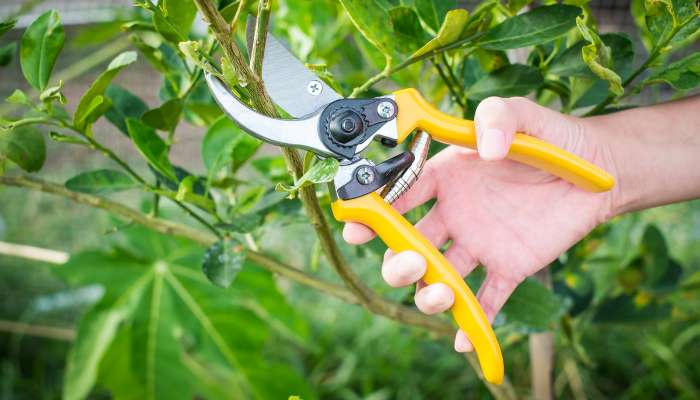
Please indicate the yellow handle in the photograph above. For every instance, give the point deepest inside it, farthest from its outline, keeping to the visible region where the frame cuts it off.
(416, 113)
(399, 235)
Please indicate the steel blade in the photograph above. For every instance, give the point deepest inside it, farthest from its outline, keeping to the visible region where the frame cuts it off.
(291, 85)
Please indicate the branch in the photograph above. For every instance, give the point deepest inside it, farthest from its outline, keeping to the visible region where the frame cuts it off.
(388, 309)
(390, 69)
(33, 253)
(295, 165)
(51, 332)
(260, 38)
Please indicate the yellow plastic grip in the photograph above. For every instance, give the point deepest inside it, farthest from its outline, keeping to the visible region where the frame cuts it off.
(399, 235)
(416, 113)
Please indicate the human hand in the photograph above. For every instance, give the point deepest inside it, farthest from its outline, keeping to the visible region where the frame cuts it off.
(508, 217)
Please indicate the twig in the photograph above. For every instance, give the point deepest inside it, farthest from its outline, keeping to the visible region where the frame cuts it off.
(260, 38)
(50, 332)
(390, 69)
(239, 10)
(33, 253)
(448, 82)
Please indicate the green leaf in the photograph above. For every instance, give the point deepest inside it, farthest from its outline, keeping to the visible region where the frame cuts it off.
(101, 181)
(7, 25)
(186, 192)
(124, 105)
(23, 146)
(538, 26)
(599, 58)
(273, 168)
(163, 311)
(533, 307)
(626, 309)
(223, 261)
(516, 5)
(18, 97)
(97, 330)
(6, 53)
(683, 74)
(511, 80)
(53, 93)
(371, 18)
(151, 147)
(322, 171)
(659, 19)
(93, 104)
(243, 223)
(433, 12)
(171, 18)
(39, 48)
(165, 117)
(450, 31)
(570, 61)
(408, 32)
(224, 142)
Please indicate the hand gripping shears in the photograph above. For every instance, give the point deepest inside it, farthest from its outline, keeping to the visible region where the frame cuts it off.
(362, 191)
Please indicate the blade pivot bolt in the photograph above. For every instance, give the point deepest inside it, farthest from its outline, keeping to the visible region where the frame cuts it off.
(314, 87)
(365, 175)
(385, 109)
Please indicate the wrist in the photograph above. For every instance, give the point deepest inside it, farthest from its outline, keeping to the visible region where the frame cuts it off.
(601, 149)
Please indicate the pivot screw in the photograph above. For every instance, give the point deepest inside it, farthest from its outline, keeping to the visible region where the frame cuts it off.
(365, 175)
(314, 87)
(386, 109)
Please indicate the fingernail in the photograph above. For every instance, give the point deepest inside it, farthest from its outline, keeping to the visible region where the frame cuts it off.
(492, 144)
(462, 344)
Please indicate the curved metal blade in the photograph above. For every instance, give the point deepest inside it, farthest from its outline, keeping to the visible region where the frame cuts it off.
(291, 85)
(301, 133)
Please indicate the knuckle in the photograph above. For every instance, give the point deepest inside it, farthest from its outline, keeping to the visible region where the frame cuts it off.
(491, 106)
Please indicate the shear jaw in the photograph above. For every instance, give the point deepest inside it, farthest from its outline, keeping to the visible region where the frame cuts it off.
(314, 132)
(323, 133)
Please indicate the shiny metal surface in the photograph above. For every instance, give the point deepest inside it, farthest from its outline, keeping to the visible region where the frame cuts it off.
(419, 147)
(297, 133)
(287, 79)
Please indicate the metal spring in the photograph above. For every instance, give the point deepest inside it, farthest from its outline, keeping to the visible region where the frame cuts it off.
(419, 147)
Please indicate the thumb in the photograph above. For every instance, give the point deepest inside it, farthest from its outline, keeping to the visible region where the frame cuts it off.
(498, 119)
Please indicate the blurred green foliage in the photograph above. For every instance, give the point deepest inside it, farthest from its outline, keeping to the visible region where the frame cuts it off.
(149, 324)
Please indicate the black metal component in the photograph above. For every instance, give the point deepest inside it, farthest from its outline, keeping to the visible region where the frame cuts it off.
(346, 126)
(367, 178)
(388, 142)
(347, 123)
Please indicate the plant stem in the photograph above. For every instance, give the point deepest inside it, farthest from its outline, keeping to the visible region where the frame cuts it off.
(389, 69)
(260, 38)
(450, 85)
(44, 331)
(237, 15)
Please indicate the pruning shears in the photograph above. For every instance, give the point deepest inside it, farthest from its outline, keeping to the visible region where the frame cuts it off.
(329, 125)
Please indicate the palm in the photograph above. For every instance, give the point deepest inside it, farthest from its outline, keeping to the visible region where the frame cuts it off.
(508, 217)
